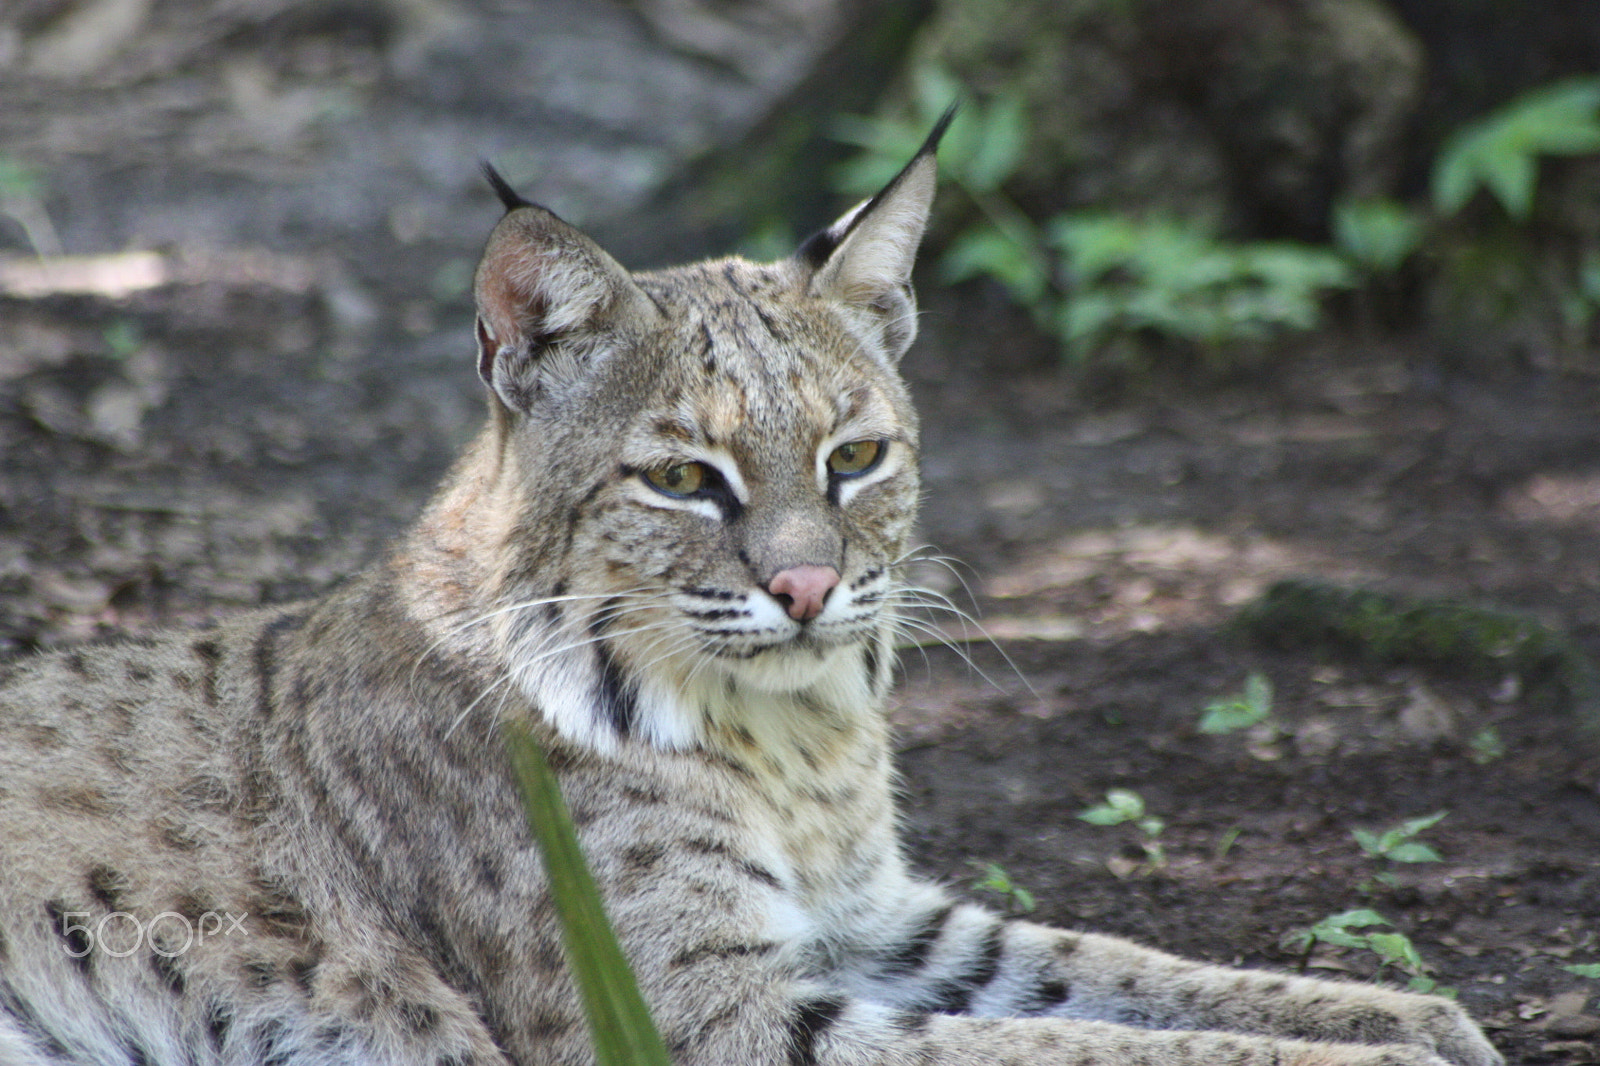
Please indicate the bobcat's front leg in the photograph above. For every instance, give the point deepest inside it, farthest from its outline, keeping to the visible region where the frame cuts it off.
(1116, 980)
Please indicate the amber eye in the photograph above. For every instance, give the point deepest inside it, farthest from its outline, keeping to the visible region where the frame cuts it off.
(677, 479)
(857, 457)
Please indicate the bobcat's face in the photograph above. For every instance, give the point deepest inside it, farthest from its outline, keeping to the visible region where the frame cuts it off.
(713, 468)
(749, 432)
(770, 439)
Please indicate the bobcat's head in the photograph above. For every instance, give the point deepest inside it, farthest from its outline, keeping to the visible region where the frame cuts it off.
(712, 468)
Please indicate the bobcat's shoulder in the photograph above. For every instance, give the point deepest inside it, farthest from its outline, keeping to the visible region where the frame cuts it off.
(675, 553)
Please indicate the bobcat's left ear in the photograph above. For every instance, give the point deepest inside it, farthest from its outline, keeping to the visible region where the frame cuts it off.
(865, 258)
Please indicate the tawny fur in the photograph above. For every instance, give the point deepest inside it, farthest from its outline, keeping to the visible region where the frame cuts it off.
(292, 838)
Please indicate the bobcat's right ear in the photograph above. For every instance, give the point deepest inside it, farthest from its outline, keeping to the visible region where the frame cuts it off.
(545, 290)
(865, 258)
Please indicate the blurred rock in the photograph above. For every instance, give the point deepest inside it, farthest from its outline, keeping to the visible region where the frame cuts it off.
(1254, 112)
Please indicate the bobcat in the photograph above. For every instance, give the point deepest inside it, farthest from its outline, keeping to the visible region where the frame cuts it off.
(293, 837)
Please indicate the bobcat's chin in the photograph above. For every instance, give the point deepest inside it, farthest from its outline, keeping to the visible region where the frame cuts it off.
(800, 663)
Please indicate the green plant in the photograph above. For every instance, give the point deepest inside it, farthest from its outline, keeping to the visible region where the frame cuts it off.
(1175, 278)
(1084, 276)
(994, 878)
(1126, 806)
(1397, 845)
(22, 199)
(1249, 708)
(1393, 949)
(1387, 629)
(620, 1026)
(1500, 152)
(122, 338)
(1486, 746)
(1378, 235)
(1585, 969)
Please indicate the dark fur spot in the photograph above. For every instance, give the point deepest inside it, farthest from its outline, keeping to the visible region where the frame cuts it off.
(42, 737)
(869, 662)
(107, 887)
(303, 970)
(419, 1017)
(647, 796)
(74, 937)
(743, 865)
(209, 653)
(166, 969)
(177, 835)
(618, 695)
(191, 908)
(218, 1022)
(138, 673)
(86, 801)
(954, 996)
(488, 871)
(260, 973)
(281, 913)
(264, 656)
(911, 954)
(702, 952)
(810, 1021)
(545, 1026)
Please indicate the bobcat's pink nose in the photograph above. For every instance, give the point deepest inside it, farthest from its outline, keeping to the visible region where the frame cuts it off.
(804, 589)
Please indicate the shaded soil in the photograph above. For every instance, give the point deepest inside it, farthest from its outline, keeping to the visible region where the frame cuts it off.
(256, 426)
(1111, 544)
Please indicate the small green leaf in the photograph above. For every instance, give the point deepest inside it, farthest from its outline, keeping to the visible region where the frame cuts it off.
(17, 180)
(1370, 842)
(1356, 919)
(985, 250)
(1413, 826)
(1240, 712)
(1103, 815)
(1585, 969)
(1486, 746)
(1002, 134)
(1412, 851)
(1500, 151)
(1378, 234)
(1121, 805)
(1396, 949)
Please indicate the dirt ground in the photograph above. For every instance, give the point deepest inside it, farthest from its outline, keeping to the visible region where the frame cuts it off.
(1107, 542)
(254, 426)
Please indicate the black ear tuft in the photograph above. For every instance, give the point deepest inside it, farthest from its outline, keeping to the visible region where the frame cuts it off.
(815, 249)
(502, 188)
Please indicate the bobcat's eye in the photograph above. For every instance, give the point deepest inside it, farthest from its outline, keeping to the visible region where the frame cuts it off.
(854, 458)
(677, 479)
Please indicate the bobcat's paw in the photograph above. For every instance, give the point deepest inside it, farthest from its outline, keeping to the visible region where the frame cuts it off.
(1442, 1026)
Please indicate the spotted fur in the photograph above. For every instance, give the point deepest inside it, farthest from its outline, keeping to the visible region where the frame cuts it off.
(293, 838)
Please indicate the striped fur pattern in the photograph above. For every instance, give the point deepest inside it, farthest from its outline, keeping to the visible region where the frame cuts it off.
(292, 838)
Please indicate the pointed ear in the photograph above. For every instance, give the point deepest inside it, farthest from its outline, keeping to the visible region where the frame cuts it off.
(865, 258)
(544, 290)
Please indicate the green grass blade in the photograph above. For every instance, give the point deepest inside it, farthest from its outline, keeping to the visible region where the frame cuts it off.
(619, 1019)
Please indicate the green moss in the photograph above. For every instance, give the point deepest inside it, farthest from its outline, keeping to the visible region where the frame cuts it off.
(1388, 629)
